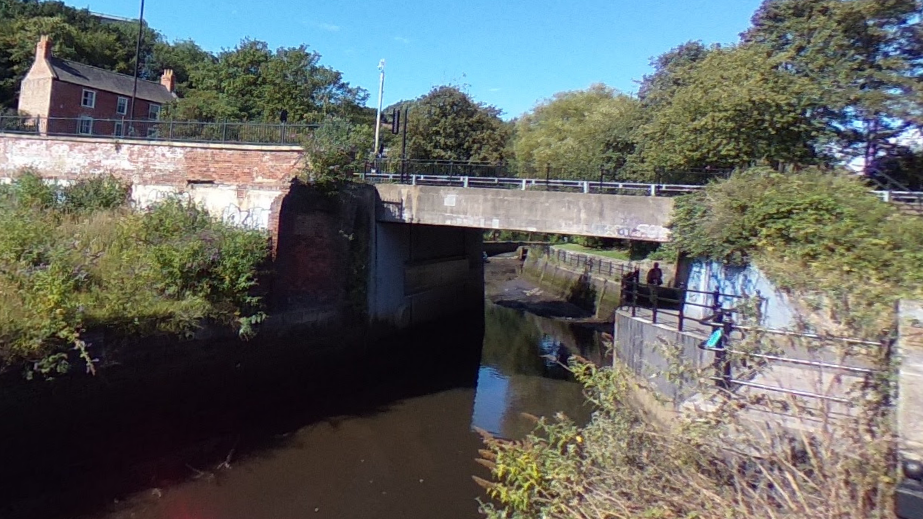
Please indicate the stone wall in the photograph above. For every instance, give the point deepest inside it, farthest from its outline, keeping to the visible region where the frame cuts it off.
(593, 293)
(150, 162)
(642, 347)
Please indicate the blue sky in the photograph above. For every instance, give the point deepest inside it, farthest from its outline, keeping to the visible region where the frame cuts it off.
(508, 54)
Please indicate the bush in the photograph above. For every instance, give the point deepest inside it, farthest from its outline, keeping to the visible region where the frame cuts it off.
(813, 232)
(710, 464)
(76, 258)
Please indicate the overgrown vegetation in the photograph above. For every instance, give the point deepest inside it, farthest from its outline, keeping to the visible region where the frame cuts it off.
(822, 234)
(76, 258)
(709, 465)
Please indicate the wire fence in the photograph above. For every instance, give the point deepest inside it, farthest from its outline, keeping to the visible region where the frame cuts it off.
(160, 130)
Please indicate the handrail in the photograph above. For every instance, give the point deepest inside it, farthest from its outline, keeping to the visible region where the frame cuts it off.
(159, 129)
(584, 186)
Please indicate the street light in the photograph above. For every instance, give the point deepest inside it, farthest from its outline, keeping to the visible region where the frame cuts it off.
(381, 90)
(134, 88)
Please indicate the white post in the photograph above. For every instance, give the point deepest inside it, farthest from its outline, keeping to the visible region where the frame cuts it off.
(523, 184)
(381, 90)
(465, 182)
(586, 186)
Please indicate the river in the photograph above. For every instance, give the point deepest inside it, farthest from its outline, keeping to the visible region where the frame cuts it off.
(395, 439)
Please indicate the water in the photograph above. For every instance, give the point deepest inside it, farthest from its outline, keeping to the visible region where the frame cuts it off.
(396, 440)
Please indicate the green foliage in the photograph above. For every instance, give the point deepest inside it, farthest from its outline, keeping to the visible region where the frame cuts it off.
(624, 465)
(336, 149)
(250, 82)
(447, 124)
(813, 231)
(95, 194)
(735, 107)
(77, 35)
(75, 258)
(576, 133)
(861, 58)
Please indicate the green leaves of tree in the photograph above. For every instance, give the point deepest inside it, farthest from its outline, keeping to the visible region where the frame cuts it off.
(447, 124)
(576, 133)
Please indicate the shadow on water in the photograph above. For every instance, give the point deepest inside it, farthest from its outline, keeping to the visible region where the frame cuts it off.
(78, 446)
(384, 432)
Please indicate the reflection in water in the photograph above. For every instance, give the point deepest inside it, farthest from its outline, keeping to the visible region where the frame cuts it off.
(401, 444)
(521, 372)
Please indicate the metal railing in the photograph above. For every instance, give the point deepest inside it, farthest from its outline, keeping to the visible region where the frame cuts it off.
(723, 325)
(160, 130)
(526, 184)
(600, 266)
(910, 199)
(531, 170)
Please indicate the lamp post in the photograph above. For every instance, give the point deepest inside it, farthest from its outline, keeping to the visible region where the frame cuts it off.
(381, 90)
(134, 88)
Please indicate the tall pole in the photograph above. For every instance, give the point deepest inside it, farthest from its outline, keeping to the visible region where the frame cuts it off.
(381, 90)
(404, 144)
(134, 88)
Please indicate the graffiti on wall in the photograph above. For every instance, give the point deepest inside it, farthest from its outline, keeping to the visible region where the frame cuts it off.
(645, 231)
(252, 218)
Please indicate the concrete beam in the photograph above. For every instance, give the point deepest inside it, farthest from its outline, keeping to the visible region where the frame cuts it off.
(609, 216)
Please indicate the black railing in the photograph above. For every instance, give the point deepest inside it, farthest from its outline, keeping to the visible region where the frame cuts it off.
(160, 130)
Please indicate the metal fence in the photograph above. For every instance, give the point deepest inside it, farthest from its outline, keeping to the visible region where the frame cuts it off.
(160, 130)
(524, 170)
(722, 329)
(570, 186)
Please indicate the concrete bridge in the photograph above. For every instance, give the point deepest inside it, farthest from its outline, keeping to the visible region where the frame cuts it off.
(609, 216)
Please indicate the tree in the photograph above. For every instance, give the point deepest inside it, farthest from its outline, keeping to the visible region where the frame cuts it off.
(865, 57)
(251, 82)
(446, 124)
(577, 133)
(659, 87)
(76, 34)
(734, 108)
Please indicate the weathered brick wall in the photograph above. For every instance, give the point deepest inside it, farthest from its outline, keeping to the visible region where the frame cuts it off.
(148, 162)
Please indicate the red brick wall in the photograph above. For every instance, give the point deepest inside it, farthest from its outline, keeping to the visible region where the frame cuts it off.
(150, 162)
(66, 103)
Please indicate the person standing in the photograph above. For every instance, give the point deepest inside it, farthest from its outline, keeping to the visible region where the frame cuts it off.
(655, 275)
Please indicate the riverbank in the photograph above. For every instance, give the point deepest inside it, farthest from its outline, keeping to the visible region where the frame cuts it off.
(506, 284)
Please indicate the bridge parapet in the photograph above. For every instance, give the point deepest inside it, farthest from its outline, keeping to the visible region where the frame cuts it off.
(607, 216)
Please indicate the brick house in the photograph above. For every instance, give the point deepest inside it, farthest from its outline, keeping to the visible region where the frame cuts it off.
(76, 99)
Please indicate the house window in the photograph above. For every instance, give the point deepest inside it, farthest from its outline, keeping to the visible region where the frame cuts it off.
(118, 129)
(85, 126)
(153, 112)
(89, 99)
(121, 106)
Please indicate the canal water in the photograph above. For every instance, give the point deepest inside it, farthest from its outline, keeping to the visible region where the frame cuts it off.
(395, 439)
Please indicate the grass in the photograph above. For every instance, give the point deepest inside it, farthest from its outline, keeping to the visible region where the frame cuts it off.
(605, 253)
(709, 464)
